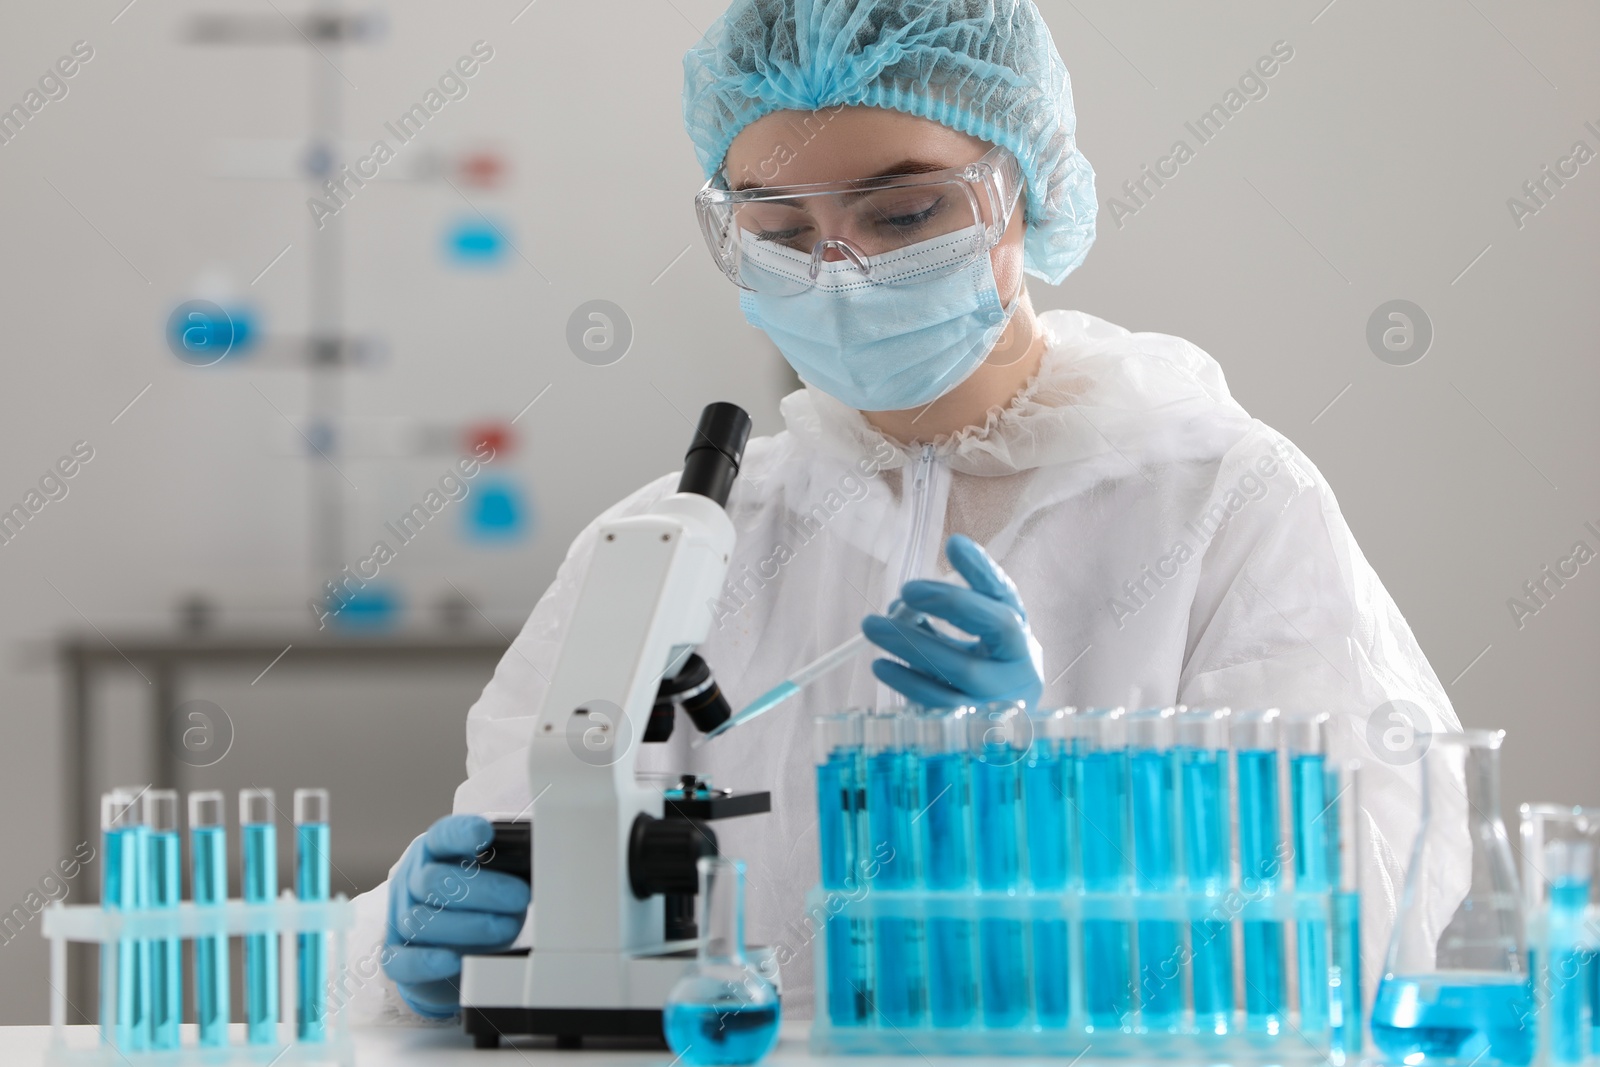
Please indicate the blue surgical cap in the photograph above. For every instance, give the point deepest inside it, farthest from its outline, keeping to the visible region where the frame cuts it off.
(984, 67)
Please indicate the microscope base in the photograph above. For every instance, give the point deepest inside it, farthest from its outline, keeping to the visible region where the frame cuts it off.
(569, 1026)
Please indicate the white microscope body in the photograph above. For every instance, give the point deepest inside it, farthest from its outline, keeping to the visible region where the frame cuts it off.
(602, 851)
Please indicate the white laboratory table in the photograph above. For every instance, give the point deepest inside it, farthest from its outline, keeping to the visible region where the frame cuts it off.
(402, 1046)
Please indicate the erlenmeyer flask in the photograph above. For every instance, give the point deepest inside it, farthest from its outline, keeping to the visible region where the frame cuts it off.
(1457, 992)
(722, 1011)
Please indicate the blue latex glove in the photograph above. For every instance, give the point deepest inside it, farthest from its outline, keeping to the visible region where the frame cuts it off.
(442, 905)
(1001, 663)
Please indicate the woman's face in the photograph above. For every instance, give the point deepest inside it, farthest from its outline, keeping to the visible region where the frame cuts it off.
(805, 148)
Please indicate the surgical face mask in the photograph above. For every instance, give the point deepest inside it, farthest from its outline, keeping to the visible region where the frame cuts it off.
(881, 347)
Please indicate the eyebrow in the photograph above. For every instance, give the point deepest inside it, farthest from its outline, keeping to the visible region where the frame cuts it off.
(904, 168)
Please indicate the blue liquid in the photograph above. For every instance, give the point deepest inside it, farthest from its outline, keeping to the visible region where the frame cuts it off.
(704, 1035)
(1315, 814)
(1206, 825)
(1002, 966)
(892, 803)
(1102, 795)
(163, 889)
(1568, 1012)
(311, 883)
(208, 853)
(1345, 1019)
(1155, 780)
(947, 866)
(1459, 1017)
(123, 888)
(839, 800)
(1260, 868)
(1591, 971)
(260, 886)
(1046, 785)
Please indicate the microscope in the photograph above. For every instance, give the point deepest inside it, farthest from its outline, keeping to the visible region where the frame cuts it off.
(612, 862)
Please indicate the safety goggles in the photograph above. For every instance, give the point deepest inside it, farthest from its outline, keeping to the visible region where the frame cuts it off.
(891, 230)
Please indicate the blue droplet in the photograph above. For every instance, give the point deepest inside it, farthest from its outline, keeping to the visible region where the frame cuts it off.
(498, 512)
(476, 241)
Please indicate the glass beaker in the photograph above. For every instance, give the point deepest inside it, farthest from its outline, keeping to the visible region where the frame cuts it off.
(1456, 989)
(722, 1011)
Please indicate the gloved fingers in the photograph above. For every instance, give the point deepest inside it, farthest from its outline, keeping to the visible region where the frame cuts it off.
(963, 670)
(998, 628)
(432, 1000)
(921, 648)
(982, 573)
(411, 964)
(918, 688)
(448, 885)
(458, 837)
(423, 924)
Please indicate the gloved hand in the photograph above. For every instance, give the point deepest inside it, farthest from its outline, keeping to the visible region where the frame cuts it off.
(1002, 664)
(443, 904)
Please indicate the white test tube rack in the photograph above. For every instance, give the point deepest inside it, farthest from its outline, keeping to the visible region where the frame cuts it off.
(285, 918)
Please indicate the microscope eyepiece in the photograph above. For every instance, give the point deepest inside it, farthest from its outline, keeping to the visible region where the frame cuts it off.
(712, 461)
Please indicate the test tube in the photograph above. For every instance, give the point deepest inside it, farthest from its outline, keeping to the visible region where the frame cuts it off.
(163, 870)
(1047, 783)
(311, 863)
(1255, 741)
(840, 800)
(997, 744)
(947, 862)
(123, 988)
(1310, 794)
(1344, 1006)
(1201, 735)
(1567, 864)
(893, 805)
(1153, 771)
(208, 879)
(258, 837)
(1099, 737)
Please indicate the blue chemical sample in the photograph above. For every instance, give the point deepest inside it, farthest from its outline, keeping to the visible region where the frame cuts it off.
(713, 1035)
(1460, 1016)
(1154, 782)
(122, 888)
(1591, 971)
(163, 889)
(839, 804)
(259, 853)
(208, 857)
(1314, 819)
(1260, 870)
(311, 864)
(1206, 826)
(1046, 786)
(1345, 1013)
(1103, 839)
(1568, 1012)
(947, 867)
(1002, 962)
(892, 805)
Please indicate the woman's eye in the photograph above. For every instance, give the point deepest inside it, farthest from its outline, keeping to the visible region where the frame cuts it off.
(779, 236)
(909, 216)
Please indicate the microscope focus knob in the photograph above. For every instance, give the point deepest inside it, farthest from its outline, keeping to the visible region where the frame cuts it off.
(663, 853)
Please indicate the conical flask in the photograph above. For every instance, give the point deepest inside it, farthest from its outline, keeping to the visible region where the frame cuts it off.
(722, 1011)
(1456, 989)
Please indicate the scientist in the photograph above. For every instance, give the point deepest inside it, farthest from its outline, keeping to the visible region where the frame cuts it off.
(1091, 505)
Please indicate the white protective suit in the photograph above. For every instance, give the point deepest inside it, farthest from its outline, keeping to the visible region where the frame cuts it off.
(1169, 549)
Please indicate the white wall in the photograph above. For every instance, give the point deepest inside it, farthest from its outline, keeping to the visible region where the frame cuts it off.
(1377, 166)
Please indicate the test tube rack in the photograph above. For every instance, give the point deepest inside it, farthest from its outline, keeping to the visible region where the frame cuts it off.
(110, 928)
(886, 933)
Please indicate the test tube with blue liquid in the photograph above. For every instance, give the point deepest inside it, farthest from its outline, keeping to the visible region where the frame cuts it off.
(208, 880)
(1105, 847)
(947, 865)
(841, 777)
(163, 869)
(893, 806)
(1344, 1002)
(997, 742)
(258, 835)
(1153, 773)
(1048, 778)
(1201, 736)
(123, 987)
(1568, 866)
(1311, 796)
(1256, 736)
(311, 865)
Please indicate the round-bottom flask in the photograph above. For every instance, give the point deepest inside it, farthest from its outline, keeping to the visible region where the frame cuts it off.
(723, 1011)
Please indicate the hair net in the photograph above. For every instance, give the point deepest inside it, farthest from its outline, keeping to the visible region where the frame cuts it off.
(983, 67)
